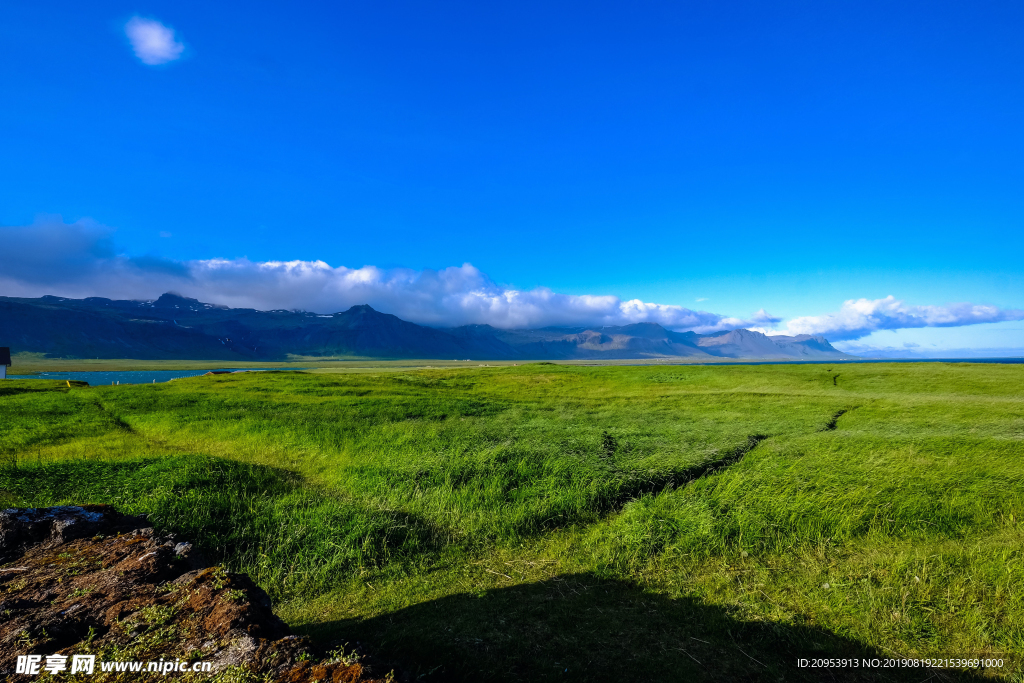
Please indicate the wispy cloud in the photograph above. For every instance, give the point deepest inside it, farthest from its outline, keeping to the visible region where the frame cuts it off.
(763, 317)
(152, 42)
(859, 318)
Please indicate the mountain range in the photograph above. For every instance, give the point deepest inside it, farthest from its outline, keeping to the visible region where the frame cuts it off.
(176, 327)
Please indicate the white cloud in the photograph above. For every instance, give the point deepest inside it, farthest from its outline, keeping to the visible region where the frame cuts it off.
(763, 317)
(859, 318)
(913, 351)
(79, 259)
(153, 42)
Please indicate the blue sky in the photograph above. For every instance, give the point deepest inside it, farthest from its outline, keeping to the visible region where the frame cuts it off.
(726, 157)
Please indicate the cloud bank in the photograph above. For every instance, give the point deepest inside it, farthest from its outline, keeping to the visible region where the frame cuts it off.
(859, 318)
(80, 260)
(910, 350)
(152, 42)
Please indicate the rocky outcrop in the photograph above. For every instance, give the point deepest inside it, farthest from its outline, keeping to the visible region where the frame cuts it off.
(92, 582)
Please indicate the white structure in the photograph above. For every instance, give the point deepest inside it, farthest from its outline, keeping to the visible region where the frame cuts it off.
(5, 361)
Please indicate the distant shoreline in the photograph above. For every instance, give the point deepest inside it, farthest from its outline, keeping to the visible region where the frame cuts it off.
(75, 368)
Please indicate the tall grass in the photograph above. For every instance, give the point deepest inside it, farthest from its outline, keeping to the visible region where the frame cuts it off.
(898, 487)
(288, 537)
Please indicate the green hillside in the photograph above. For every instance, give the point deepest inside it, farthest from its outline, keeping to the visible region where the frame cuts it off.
(547, 522)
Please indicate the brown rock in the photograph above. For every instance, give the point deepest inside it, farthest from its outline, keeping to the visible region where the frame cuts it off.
(88, 580)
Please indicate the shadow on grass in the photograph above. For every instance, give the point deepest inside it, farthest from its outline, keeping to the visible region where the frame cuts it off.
(580, 627)
(13, 387)
(288, 535)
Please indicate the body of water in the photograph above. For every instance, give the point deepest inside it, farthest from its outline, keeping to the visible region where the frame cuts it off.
(1015, 360)
(100, 377)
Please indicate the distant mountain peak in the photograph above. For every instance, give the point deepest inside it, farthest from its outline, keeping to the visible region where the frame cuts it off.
(172, 299)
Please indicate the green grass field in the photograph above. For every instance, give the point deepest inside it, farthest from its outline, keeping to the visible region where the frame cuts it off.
(546, 522)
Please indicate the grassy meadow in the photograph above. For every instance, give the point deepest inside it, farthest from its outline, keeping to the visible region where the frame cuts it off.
(547, 522)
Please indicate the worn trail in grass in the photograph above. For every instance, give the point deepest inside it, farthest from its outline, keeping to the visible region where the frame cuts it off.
(545, 522)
